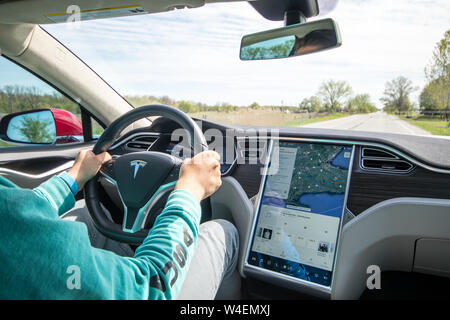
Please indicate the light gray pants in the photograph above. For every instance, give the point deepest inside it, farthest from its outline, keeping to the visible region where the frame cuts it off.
(212, 273)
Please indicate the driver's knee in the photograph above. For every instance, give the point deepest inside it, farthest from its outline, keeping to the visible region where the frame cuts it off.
(225, 237)
(231, 238)
(212, 273)
(230, 285)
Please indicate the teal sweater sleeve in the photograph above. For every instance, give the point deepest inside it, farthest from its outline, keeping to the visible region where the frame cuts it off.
(58, 195)
(51, 258)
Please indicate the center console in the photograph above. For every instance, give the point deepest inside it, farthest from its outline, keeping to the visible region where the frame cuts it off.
(299, 212)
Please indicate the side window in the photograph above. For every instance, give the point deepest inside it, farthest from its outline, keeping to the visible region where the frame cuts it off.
(97, 129)
(34, 113)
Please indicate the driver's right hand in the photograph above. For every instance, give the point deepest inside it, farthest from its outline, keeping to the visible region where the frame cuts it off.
(200, 175)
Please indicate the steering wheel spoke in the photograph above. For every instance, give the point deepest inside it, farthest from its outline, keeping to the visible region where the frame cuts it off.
(135, 219)
(107, 170)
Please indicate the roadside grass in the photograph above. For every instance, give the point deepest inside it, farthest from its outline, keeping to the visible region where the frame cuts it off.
(304, 121)
(432, 125)
(96, 128)
(4, 144)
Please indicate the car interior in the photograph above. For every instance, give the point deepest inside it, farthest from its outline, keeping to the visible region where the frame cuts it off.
(385, 197)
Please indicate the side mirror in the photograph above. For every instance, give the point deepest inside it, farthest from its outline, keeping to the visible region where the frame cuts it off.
(41, 126)
(291, 41)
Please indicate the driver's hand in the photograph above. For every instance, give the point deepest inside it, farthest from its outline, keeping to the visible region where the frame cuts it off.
(87, 165)
(200, 175)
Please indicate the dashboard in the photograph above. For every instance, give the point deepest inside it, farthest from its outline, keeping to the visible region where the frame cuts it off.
(341, 201)
(310, 195)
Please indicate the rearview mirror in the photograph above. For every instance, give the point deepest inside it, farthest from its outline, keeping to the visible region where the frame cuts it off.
(291, 41)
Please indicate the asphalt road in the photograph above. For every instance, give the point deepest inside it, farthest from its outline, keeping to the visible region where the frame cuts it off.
(379, 122)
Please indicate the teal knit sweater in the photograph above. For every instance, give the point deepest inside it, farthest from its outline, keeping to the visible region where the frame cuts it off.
(45, 257)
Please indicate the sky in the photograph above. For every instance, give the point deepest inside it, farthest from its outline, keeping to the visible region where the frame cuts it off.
(193, 54)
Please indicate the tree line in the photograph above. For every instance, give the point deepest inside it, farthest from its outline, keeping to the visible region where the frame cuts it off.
(337, 96)
(434, 98)
(183, 105)
(330, 98)
(16, 98)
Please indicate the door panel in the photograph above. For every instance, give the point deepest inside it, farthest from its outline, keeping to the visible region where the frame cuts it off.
(29, 167)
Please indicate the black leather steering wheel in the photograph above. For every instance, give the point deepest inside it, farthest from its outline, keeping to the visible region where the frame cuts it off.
(141, 178)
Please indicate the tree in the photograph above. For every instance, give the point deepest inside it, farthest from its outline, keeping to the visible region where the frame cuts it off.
(37, 130)
(254, 105)
(311, 104)
(332, 93)
(187, 107)
(360, 104)
(15, 98)
(426, 101)
(268, 49)
(439, 66)
(167, 101)
(435, 96)
(9, 103)
(226, 107)
(396, 95)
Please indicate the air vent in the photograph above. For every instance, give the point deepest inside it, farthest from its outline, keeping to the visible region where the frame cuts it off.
(141, 143)
(383, 161)
(252, 150)
(375, 153)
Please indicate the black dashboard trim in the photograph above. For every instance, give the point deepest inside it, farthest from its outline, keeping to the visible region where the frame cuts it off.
(432, 151)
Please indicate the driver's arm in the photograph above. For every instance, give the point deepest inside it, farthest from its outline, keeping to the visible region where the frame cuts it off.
(164, 257)
(160, 263)
(51, 258)
(58, 191)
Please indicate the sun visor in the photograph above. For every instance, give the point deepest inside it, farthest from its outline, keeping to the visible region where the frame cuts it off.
(61, 11)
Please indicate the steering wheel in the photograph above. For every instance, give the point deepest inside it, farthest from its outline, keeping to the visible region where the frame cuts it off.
(141, 178)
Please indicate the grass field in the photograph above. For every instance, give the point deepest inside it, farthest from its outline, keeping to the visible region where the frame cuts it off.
(264, 117)
(434, 126)
(4, 144)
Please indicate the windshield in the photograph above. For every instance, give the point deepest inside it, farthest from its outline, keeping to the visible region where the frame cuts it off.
(391, 73)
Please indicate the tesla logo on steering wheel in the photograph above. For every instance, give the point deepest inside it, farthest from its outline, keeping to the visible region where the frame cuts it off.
(137, 164)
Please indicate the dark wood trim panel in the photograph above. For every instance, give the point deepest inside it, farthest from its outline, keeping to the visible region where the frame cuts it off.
(368, 189)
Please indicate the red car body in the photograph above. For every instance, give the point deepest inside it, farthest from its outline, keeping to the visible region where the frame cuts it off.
(66, 123)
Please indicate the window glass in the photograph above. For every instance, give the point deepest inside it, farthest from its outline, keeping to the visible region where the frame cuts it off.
(22, 98)
(97, 129)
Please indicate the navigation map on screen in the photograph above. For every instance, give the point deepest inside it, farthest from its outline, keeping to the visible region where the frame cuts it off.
(300, 211)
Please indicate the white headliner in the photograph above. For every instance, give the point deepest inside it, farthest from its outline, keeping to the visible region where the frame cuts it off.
(34, 11)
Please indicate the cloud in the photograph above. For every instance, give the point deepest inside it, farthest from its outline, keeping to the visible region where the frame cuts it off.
(194, 53)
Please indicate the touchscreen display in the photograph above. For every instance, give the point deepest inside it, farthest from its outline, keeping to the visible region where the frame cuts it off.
(300, 210)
